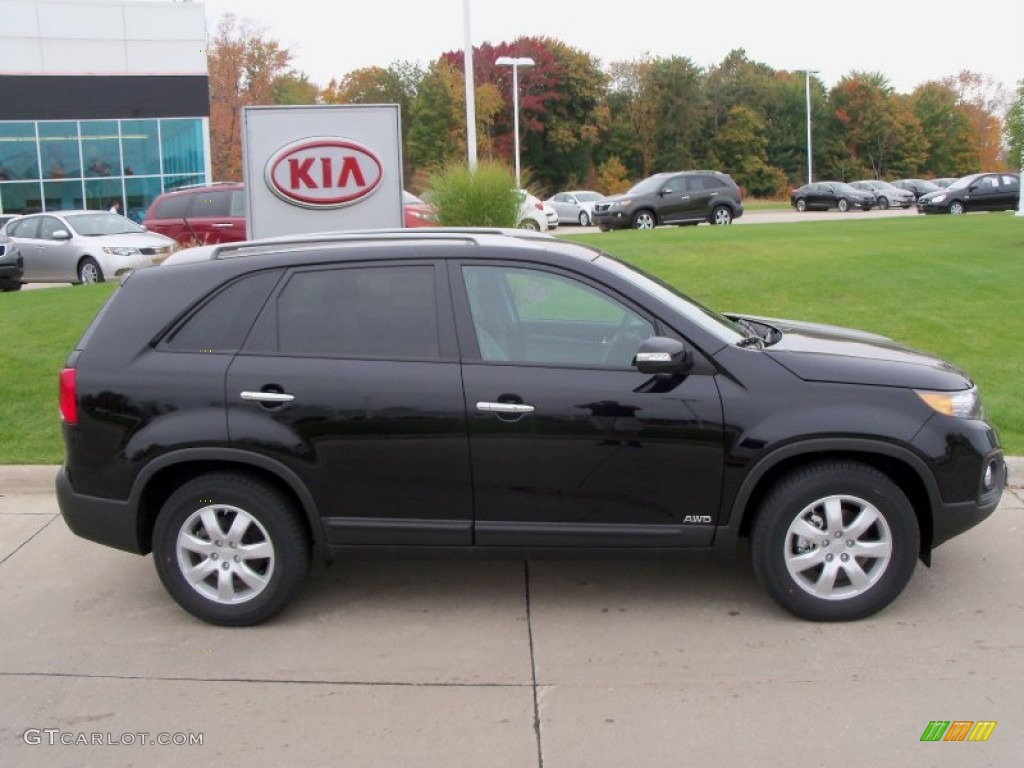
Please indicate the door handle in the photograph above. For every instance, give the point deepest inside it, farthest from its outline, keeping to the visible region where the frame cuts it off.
(514, 408)
(268, 397)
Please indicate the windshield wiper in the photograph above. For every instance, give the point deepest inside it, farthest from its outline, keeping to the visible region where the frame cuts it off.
(753, 338)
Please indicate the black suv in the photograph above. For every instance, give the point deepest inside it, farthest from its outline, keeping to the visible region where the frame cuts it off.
(491, 393)
(684, 197)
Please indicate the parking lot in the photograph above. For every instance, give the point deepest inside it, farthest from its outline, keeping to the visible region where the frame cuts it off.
(441, 663)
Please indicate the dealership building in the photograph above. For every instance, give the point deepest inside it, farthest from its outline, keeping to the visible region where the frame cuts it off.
(101, 100)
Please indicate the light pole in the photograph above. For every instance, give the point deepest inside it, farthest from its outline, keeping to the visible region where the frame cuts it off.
(810, 158)
(515, 63)
(1020, 183)
(470, 98)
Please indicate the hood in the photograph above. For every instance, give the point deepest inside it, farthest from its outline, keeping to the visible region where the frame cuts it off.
(828, 353)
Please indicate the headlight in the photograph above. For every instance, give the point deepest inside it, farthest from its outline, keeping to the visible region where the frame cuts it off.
(619, 204)
(121, 251)
(965, 404)
(937, 199)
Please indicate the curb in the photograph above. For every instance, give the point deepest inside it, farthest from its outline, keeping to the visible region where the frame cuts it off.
(39, 478)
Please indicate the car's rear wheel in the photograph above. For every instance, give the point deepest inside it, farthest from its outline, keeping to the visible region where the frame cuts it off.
(584, 219)
(643, 220)
(529, 224)
(801, 205)
(956, 207)
(89, 271)
(835, 541)
(843, 205)
(721, 215)
(12, 286)
(230, 549)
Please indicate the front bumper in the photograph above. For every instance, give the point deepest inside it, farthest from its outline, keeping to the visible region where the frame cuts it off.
(614, 218)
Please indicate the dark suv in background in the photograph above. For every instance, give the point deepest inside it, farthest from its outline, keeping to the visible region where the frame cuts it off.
(489, 393)
(203, 215)
(685, 197)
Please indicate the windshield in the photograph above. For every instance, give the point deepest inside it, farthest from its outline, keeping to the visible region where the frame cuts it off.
(647, 186)
(96, 224)
(721, 327)
(844, 188)
(966, 181)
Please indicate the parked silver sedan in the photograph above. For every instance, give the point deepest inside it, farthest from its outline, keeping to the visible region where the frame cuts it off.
(84, 246)
(886, 194)
(575, 207)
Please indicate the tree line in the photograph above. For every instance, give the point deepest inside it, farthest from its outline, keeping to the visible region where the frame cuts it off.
(583, 125)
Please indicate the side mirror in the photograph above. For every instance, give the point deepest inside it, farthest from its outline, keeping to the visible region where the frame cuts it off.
(61, 234)
(660, 354)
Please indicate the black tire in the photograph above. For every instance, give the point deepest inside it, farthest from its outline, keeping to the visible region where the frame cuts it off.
(89, 271)
(584, 219)
(801, 205)
(9, 287)
(957, 208)
(817, 578)
(721, 215)
(883, 203)
(644, 220)
(235, 589)
(843, 205)
(529, 224)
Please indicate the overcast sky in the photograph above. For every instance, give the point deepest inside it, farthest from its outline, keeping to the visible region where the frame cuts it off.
(909, 41)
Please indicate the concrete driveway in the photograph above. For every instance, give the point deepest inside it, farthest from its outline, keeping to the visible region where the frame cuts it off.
(553, 664)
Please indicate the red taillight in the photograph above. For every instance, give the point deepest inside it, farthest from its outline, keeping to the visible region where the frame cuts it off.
(68, 406)
(539, 206)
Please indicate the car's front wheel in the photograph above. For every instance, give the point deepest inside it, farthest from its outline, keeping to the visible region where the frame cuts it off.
(230, 549)
(643, 220)
(584, 219)
(801, 205)
(843, 205)
(89, 271)
(883, 203)
(956, 207)
(835, 541)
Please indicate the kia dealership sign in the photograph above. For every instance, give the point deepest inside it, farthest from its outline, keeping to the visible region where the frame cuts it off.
(324, 172)
(322, 168)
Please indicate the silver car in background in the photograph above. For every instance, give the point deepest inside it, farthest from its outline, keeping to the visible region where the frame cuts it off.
(575, 207)
(84, 246)
(886, 194)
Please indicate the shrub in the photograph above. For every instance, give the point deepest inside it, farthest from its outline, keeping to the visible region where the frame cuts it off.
(484, 198)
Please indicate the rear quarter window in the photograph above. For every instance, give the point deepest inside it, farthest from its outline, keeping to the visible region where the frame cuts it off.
(221, 323)
(173, 207)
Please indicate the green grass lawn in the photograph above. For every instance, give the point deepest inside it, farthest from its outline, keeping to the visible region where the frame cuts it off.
(950, 285)
(40, 328)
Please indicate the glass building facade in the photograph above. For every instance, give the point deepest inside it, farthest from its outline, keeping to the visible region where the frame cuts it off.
(48, 165)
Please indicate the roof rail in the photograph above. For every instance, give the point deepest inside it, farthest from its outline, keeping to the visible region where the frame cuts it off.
(197, 186)
(470, 235)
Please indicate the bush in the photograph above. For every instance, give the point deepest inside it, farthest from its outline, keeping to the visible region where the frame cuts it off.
(484, 198)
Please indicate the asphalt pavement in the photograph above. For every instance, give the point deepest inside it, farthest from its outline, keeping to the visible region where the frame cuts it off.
(488, 664)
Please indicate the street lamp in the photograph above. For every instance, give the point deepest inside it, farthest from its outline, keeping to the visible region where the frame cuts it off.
(515, 63)
(470, 98)
(810, 159)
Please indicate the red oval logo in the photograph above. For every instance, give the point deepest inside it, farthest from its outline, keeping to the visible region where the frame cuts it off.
(324, 172)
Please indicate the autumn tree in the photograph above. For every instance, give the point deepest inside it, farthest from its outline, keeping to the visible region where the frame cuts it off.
(947, 142)
(861, 109)
(741, 150)
(1014, 127)
(982, 100)
(243, 66)
(395, 84)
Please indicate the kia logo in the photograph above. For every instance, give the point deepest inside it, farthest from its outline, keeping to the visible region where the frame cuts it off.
(324, 172)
